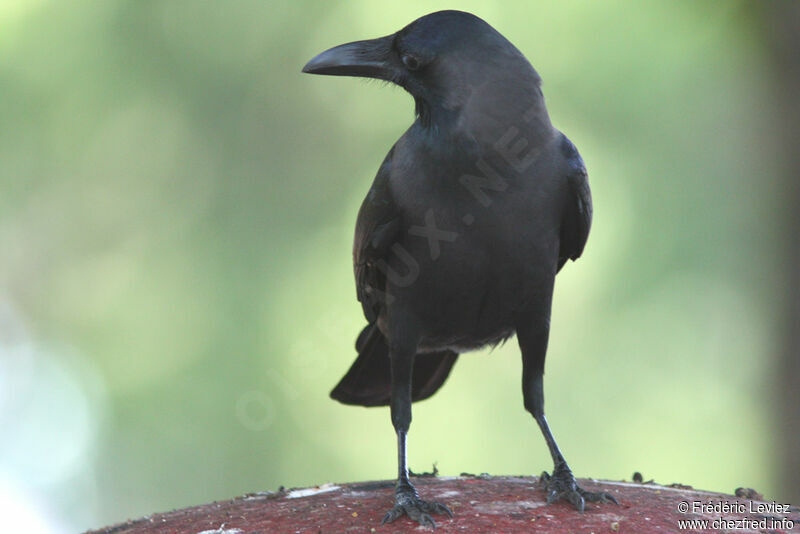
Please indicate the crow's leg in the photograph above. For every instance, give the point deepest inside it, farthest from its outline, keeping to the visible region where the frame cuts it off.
(406, 498)
(532, 335)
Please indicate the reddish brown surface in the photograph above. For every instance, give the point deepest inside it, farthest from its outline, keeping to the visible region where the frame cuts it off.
(490, 504)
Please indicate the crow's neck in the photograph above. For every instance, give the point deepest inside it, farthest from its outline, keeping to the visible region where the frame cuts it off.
(422, 110)
(434, 117)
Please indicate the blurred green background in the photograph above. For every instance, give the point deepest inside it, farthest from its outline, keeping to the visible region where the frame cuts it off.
(176, 292)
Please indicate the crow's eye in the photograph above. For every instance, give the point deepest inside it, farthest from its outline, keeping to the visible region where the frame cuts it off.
(410, 62)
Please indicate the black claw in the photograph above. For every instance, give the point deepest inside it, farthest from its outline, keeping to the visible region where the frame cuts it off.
(387, 518)
(435, 508)
(600, 496)
(562, 485)
(391, 515)
(408, 503)
(577, 501)
(426, 520)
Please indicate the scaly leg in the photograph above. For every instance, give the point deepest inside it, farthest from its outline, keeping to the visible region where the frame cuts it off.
(532, 336)
(406, 498)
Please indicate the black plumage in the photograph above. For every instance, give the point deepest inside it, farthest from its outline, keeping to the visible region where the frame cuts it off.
(471, 215)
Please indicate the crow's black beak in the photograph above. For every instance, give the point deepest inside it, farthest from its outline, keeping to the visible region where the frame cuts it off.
(367, 59)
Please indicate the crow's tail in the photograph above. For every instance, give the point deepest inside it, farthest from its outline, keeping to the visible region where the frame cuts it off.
(368, 382)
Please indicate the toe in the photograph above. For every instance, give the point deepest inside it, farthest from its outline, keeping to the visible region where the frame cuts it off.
(562, 485)
(415, 513)
(417, 510)
(392, 514)
(442, 509)
(435, 508)
(426, 521)
(606, 497)
(600, 496)
(577, 500)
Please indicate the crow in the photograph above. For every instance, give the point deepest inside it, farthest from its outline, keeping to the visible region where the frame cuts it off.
(457, 244)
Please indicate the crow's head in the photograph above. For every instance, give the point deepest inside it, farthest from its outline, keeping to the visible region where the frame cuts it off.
(443, 59)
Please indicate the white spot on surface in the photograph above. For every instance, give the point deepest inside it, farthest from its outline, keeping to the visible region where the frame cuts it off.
(656, 487)
(222, 530)
(362, 494)
(504, 508)
(307, 492)
(258, 495)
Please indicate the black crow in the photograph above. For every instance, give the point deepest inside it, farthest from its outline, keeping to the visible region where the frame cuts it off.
(471, 215)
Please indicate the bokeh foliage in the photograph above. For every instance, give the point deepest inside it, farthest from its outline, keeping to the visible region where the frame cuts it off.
(176, 294)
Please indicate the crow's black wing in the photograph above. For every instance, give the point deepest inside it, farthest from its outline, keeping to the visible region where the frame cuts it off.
(377, 229)
(368, 381)
(578, 212)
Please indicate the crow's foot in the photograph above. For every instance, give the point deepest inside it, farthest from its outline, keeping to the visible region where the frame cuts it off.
(562, 485)
(407, 502)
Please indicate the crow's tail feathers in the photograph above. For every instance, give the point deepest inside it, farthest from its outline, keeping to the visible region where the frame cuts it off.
(368, 381)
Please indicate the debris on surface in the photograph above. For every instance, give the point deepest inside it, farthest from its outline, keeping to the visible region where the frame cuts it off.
(480, 503)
